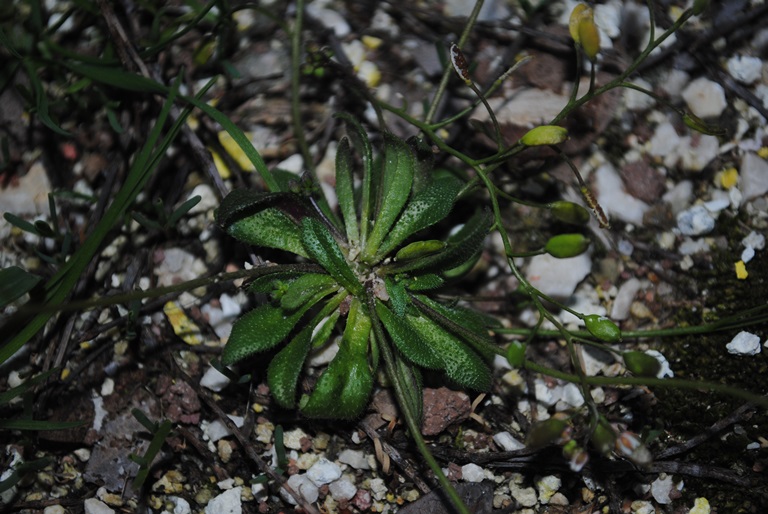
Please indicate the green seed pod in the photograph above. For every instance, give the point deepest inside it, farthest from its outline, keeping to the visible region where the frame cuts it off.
(569, 212)
(693, 122)
(579, 12)
(641, 364)
(602, 328)
(603, 438)
(419, 249)
(564, 246)
(545, 433)
(516, 354)
(699, 6)
(589, 36)
(544, 135)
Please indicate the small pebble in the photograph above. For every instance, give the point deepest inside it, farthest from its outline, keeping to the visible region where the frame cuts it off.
(228, 502)
(214, 380)
(54, 509)
(180, 505)
(302, 485)
(525, 496)
(662, 487)
(507, 442)
(695, 221)
(342, 489)
(293, 438)
(558, 277)
(107, 387)
(324, 472)
(754, 176)
(94, 506)
(378, 489)
(642, 507)
(745, 69)
(354, 458)
(744, 343)
(700, 506)
(624, 298)
(472, 473)
(705, 98)
(665, 371)
(548, 486)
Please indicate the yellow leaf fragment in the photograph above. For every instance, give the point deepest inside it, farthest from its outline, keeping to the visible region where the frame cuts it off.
(234, 150)
(221, 166)
(700, 506)
(763, 152)
(741, 270)
(65, 373)
(183, 327)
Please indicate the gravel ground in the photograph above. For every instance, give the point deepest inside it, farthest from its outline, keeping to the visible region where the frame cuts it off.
(685, 246)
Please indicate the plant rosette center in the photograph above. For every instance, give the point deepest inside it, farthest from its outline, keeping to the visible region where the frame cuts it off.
(363, 273)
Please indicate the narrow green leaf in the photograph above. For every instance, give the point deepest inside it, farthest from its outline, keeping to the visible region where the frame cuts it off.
(408, 340)
(345, 190)
(183, 209)
(343, 389)
(463, 246)
(424, 282)
(425, 209)
(269, 228)
(322, 247)
(20, 223)
(363, 145)
(15, 283)
(398, 297)
(461, 364)
(396, 181)
(424, 159)
(285, 368)
(305, 287)
(419, 249)
(413, 389)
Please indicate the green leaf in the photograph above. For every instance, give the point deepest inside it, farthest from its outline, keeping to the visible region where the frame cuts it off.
(343, 389)
(21, 223)
(461, 364)
(407, 340)
(424, 163)
(257, 331)
(305, 288)
(324, 329)
(15, 283)
(425, 209)
(398, 297)
(419, 249)
(396, 180)
(345, 190)
(462, 246)
(183, 209)
(285, 368)
(322, 247)
(363, 145)
(269, 228)
(424, 282)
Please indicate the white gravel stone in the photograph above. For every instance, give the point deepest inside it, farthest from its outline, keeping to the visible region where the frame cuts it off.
(208, 200)
(292, 438)
(507, 442)
(214, 380)
(472, 473)
(754, 176)
(28, 196)
(378, 488)
(54, 509)
(329, 18)
(342, 489)
(664, 143)
(354, 458)
(558, 277)
(745, 69)
(180, 505)
(107, 387)
(547, 487)
(624, 299)
(662, 487)
(695, 221)
(705, 98)
(696, 156)
(525, 496)
(745, 343)
(324, 472)
(94, 506)
(642, 507)
(616, 202)
(665, 371)
(679, 196)
(302, 485)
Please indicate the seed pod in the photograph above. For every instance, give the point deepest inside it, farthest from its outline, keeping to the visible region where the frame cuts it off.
(569, 212)
(579, 12)
(564, 246)
(641, 364)
(546, 432)
(545, 135)
(693, 122)
(516, 354)
(604, 437)
(602, 328)
(459, 63)
(583, 30)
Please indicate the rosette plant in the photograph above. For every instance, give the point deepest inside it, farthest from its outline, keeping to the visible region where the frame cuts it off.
(365, 274)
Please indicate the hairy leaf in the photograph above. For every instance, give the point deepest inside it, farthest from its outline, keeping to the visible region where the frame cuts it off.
(345, 190)
(269, 228)
(425, 209)
(397, 178)
(322, 247)
(285, 368)
(408, 340)
(305, 288)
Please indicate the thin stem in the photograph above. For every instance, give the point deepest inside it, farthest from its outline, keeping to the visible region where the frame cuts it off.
(441, 88)
(298, 128)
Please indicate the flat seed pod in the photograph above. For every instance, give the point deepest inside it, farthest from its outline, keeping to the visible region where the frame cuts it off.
(602, 328)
